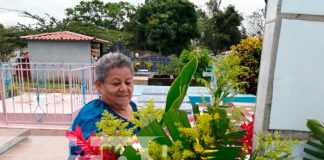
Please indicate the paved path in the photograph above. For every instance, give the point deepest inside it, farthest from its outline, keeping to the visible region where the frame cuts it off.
(39, 148)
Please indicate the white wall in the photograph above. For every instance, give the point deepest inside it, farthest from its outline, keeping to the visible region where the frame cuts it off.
(59, 52)
(313, 7)
(298, 91)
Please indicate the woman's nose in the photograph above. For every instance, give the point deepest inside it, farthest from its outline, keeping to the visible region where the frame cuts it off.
(123, 87)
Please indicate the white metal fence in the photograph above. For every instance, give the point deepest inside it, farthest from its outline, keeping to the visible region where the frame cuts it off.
(44, 93)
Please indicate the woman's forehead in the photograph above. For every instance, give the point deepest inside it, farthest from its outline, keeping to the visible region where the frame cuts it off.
(123, 72)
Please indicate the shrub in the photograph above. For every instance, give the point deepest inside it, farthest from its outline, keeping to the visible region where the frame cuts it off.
(249, 50)
(203, 56)
(173, 68)
(227, 70)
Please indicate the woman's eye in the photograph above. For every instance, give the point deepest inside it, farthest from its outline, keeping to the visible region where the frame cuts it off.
(115, 84)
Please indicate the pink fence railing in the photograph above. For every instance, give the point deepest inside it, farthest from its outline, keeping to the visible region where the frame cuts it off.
(42, 93)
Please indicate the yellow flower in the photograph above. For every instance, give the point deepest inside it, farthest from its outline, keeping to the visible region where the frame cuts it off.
(216, 116)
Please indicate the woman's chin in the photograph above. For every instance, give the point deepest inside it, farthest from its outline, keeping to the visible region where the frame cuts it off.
(123, 102)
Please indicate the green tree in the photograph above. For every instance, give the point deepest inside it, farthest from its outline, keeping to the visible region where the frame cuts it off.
(222, 29)
(256, 22)
(203, 56)
(42, 24)
(92, 12)
(249, 50)
(213, 6)
(119, 14)
(165, 26)
(6, 47)
(96, 12)
(10, 40)
(50, 24)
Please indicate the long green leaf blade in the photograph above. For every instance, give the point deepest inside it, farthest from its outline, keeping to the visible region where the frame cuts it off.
(154, 129)
(180, 84)
(171, 118)
(131, 153)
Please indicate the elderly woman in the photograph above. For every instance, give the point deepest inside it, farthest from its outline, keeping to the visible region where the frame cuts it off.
(114, 82)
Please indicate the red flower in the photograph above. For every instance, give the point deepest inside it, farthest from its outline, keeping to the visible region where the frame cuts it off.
(90, 149)
(247, 139)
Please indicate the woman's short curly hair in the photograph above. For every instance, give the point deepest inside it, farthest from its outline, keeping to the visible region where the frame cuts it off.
(111, 61)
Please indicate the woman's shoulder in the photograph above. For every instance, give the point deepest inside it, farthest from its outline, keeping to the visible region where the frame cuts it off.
(89, 112)
(92, 106)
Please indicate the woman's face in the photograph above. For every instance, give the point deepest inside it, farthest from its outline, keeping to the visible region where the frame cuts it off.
(117, 89)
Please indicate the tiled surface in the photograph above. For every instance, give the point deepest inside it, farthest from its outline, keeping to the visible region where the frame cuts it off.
(311, 7)
(298, 79)
(39, 148)
(10, 137)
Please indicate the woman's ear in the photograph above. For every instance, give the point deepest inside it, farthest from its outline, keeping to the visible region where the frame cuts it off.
(98, 86)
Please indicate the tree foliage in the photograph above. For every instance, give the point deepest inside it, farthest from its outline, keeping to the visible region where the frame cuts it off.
(92, 12)
(256, 22)
(222, 28)
(173, 68)
(10, 40)
(249, 50)
(96, 12)
(165, 26)
(213, 6)
(119, 13)
(204, 58)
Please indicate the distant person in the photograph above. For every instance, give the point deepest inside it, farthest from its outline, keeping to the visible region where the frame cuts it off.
(114, 82)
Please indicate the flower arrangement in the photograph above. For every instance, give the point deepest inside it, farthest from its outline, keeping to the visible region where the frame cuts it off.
(89, 148)
(247, 139)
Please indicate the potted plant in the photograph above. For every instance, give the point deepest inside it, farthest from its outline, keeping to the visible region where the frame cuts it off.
(148, 65)
(137, 64)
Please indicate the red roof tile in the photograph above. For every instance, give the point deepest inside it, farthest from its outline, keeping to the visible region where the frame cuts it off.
(63, 36)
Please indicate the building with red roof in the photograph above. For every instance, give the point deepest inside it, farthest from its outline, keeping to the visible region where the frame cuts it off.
(61, 47)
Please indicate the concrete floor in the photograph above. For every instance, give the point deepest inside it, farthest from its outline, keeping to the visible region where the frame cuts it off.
(39, 148)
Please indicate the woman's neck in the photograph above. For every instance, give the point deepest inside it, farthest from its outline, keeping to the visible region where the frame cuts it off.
(125, 112)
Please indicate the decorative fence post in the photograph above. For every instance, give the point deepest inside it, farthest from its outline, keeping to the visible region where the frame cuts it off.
(70, 91)
(3, 96)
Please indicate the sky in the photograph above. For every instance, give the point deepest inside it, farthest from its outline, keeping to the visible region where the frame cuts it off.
(56, 8)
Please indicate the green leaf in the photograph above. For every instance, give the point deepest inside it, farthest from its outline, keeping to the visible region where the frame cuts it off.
(235, 134)
(184, 119)
(229, 142)
(180, 85)
(315, 126)
(317, 129)
(171, 119)
(221, 125)
(156, 130)
(319, 137)
(254, 154)
(131, 153)
(195, 110)
(316, 145)
(314, 153)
